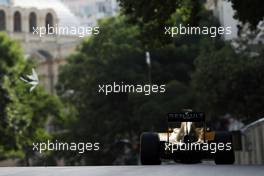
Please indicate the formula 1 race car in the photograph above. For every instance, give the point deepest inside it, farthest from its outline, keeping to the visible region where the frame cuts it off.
(187, 140)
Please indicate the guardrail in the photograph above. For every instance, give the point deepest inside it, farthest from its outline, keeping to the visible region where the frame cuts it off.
(252, 140)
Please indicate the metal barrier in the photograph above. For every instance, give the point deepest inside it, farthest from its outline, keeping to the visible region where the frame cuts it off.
(252, 139)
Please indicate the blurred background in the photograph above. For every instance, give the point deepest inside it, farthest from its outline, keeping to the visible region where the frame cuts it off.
(221, 76)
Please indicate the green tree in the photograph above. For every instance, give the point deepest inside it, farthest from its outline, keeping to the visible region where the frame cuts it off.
(229, 82)
(113, 56)
(153, 16)
(23, 115)
(11, 62)
(117, 55)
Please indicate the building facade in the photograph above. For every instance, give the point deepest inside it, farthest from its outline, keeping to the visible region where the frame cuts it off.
(18, 18)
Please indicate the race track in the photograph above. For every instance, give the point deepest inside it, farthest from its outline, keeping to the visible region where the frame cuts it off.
(163, 170)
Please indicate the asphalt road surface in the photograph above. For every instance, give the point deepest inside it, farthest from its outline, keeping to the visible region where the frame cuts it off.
(163, 170)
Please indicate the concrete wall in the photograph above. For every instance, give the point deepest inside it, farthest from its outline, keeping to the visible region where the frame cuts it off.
(252, 144)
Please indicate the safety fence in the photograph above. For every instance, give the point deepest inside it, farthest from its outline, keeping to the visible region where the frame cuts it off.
(252, 144)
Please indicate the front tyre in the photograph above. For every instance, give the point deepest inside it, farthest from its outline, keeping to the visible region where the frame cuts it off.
(150, 149)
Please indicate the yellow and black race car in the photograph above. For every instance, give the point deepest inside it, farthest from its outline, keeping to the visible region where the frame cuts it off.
(186, 140)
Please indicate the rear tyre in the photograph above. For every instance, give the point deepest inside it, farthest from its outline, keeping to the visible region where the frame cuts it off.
(150, 149)
(225, 156)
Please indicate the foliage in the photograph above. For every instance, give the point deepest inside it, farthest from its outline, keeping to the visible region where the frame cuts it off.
(118, 56)
(249, 11)
(153, 16)
(226, 81)
(23, 114)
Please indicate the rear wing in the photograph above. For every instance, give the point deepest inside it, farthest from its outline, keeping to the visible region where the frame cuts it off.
(186, 117)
